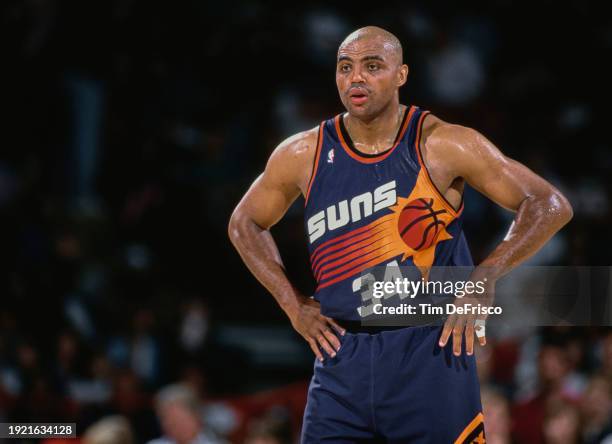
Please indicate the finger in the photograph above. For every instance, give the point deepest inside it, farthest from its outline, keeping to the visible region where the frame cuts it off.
(457, 335)
(332, 339)
(336, 327)
(446, 331)
(469, 336)
(482, 341)
(315, 349)
(480, 328)
(325, 345)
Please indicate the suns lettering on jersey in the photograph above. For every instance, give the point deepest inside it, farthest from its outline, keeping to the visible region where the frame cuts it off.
(353, 210)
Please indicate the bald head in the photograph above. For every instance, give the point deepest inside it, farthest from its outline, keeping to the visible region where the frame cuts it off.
(369, 72)
(378, 36)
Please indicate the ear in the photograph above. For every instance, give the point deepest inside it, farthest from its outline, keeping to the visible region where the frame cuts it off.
(402, 75)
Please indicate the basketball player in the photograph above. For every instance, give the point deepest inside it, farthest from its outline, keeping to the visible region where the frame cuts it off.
(357, 172)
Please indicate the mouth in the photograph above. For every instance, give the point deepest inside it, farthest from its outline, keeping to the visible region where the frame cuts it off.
(358, 96)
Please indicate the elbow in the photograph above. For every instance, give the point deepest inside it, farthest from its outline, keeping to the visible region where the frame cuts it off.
(561, 208)
(242, 227)
(568, 213)
(234, 226)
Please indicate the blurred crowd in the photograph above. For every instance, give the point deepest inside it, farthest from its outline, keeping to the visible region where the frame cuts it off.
(552, 387)
(131, 130)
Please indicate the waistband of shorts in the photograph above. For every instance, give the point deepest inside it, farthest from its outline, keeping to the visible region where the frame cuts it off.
(358, 327)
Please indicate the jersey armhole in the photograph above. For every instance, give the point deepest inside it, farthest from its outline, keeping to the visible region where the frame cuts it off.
(315, 164)
(432, 185)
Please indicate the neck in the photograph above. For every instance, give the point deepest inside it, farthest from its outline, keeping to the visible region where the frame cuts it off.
(377, 134)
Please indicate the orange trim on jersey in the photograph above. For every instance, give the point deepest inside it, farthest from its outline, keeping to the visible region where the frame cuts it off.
(360, 260)
(478, 419)
(369, 241)
(355, 254)
(372, 224)
(377, 260)
(432, 185)
(315, 166)
(364, 159)
(354, 240)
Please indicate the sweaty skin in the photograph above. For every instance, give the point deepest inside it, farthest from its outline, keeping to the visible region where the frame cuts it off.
(369, 74)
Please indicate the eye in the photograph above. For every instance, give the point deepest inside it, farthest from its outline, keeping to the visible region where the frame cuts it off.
(372, 66)
(345, 68)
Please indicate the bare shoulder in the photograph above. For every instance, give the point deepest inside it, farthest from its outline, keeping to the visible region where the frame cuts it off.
(458, 151)
(448, 139)
(297, 148)
(293, 158)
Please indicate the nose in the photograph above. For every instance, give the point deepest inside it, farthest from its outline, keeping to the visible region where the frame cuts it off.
(356, 75)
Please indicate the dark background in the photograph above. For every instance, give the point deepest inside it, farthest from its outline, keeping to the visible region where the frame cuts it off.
(132, 129)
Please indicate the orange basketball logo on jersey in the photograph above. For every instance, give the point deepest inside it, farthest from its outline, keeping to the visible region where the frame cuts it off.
(419, 224)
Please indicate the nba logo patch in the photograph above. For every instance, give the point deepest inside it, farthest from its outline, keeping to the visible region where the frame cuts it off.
(330, 156)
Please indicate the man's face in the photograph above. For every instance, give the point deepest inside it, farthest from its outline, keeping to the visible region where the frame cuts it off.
(368, 74)
(178, 422)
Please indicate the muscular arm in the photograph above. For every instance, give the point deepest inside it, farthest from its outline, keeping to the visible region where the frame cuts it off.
(286, 175)
(454, 153)
(541, 210)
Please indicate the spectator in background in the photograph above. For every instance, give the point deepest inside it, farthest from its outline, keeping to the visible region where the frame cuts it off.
(65, 360)
(179, 413)
(96, 387)
(457, 74)
(528, 416)
(109, 430)
(145, 352)
(194, 326)
(271, 429)
(130, 400)
(596, 407)
(562, 424)
(606, 356)
(497, 414)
